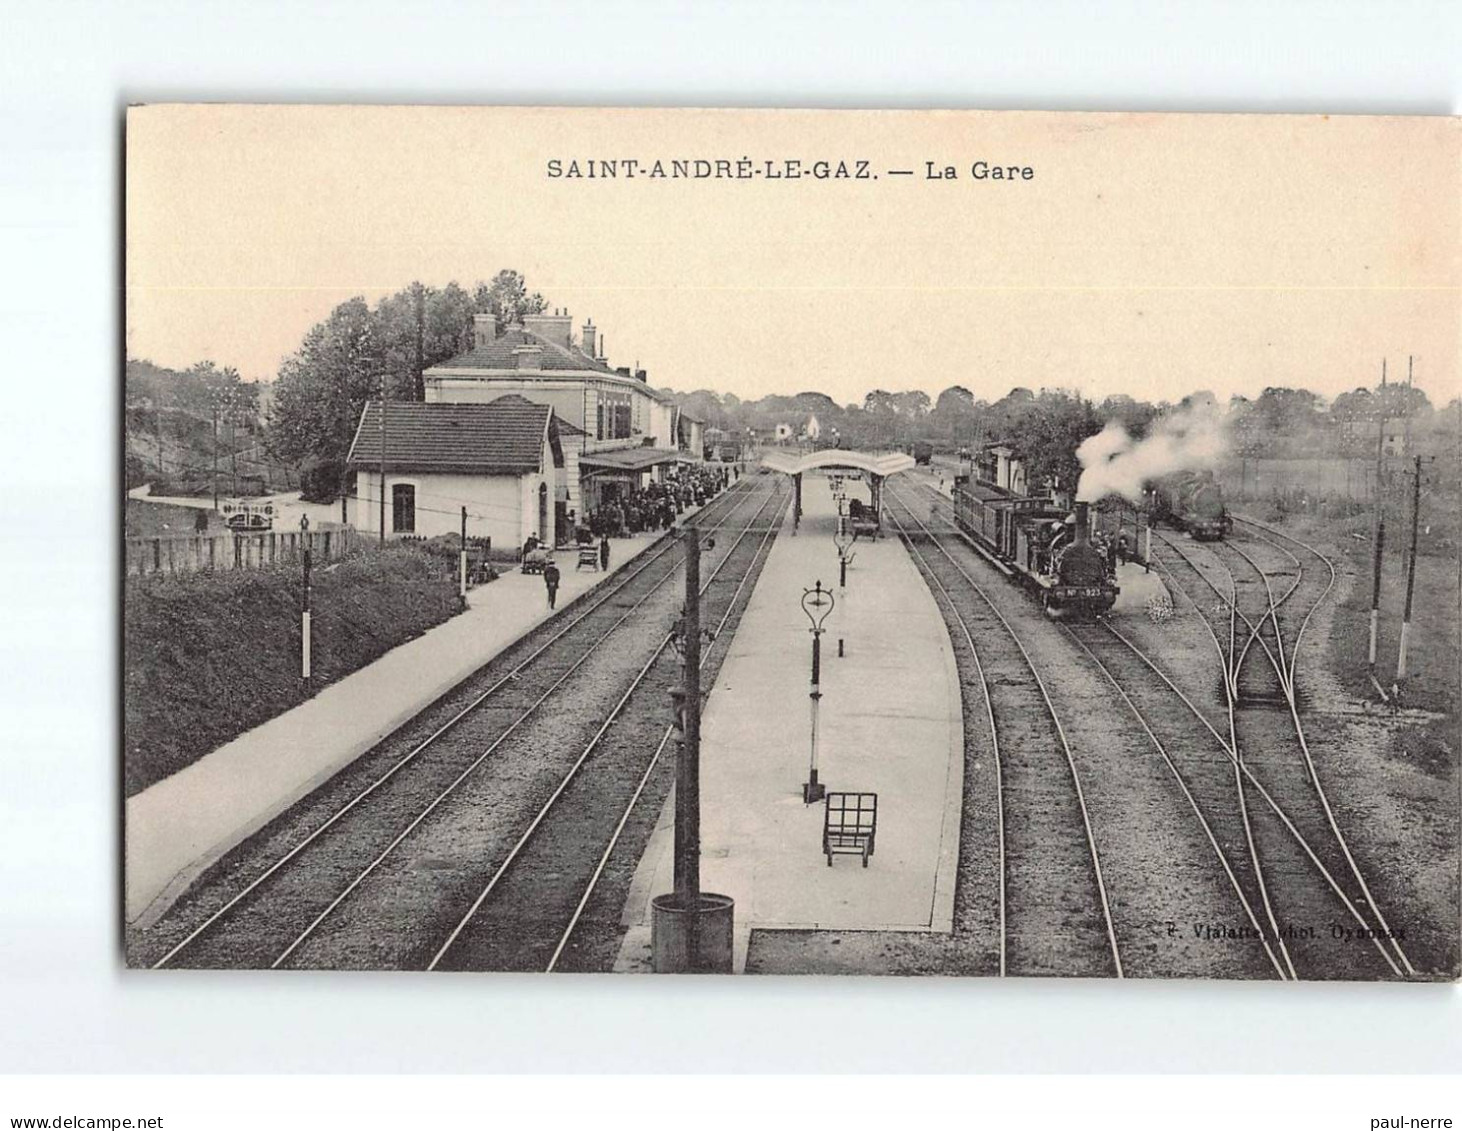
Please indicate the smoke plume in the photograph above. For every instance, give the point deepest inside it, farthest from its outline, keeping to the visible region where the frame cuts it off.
(1113, 463)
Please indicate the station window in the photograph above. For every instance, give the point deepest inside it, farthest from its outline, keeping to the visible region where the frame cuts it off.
(403, 508)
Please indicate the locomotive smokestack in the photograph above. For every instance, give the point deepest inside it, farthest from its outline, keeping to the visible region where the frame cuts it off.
(1083, 520)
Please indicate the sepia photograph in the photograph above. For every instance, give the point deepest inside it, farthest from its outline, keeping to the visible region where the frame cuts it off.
(990, 544)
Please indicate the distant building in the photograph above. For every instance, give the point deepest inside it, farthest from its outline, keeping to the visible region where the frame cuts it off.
(500, 460)
(690, 435)
(612, 410)
(812, 429)
(782, 433)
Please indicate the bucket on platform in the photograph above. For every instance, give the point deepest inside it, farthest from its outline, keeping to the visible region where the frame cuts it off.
(691, 940)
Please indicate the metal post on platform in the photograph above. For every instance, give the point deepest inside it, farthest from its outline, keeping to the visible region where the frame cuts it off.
(687, 766)
(691, 931)
(305, 675)
(817, 603)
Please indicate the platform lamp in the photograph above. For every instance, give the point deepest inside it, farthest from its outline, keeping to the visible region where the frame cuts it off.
(843, 541)
(817, 603)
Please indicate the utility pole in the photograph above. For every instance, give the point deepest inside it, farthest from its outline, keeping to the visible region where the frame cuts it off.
(382, 501)
(214, 399)
(157, 428)
(418, 293)
(1378, 528)
(464, 552)
(233, 439)
(688, 760)
(1410, 569)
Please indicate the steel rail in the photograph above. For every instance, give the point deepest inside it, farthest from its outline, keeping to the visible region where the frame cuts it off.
(1055, 718)
(451, 724)
(654, 761)
(1287, 687)
(1192, 802)
(1314, 772)
(1260, 789)
(517, 849)
(994, 738)
(1231, 666)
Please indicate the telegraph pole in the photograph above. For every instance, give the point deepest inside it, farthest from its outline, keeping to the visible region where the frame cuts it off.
(688, 761)
(1410, 569)
(1378, 528)
(464, 552)
(418, 293)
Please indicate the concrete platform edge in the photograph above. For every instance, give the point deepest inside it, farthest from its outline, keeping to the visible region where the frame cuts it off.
(182, 880)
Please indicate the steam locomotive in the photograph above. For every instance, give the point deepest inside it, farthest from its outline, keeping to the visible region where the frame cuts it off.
(1191, 501)
(1047, 548)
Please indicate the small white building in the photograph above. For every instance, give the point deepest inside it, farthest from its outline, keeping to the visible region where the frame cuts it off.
(501, 461)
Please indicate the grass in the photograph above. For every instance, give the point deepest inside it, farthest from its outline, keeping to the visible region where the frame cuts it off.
(1434, 649)
(208, 656)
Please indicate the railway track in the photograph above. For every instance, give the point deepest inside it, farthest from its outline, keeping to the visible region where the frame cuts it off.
(274, 892)
(526, 916)
(1320, 904)
(1054, 914)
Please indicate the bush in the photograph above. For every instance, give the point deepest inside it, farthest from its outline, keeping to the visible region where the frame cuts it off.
(208, 656)
(320, 482)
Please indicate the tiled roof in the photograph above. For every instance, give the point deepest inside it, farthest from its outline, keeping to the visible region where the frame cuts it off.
(504, 436)
(499, 355)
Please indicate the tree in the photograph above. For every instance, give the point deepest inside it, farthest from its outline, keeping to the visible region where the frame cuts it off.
(507, 297)
(323, 386)
(1047, 435)
(1288, 412)
(954, 415)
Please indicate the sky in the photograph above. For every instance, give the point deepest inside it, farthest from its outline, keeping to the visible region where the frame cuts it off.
(1152, 255)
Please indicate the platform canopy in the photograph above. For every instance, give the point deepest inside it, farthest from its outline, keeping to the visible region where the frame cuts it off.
(882, 464)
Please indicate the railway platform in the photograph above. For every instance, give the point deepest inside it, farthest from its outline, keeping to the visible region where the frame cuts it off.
(176, 829)
(890, 722)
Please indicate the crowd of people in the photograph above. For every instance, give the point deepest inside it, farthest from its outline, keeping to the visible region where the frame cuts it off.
(656, 506)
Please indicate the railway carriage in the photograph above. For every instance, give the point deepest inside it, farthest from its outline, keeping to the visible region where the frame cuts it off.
(1049, 550)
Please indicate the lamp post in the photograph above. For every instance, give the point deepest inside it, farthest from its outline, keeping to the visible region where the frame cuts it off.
(843, 540)
(817, 603)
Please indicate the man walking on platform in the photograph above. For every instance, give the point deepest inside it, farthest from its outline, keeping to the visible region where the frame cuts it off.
(550, 581)
(603, 554)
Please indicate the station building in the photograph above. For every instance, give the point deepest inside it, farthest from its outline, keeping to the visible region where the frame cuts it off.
(616, 433)
(502, 460)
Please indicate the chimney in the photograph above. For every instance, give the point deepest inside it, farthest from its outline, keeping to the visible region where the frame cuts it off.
(1083, 522)
(603, 354)
(557, 327)
(642, 376)
(590, 338)
(484, 330)
(528, 357)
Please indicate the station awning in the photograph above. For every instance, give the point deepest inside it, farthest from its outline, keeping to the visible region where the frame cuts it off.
(881, 464)
(627, 459)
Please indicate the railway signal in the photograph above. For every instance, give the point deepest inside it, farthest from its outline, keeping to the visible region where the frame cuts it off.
(305, 676)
